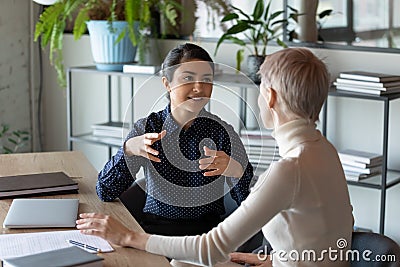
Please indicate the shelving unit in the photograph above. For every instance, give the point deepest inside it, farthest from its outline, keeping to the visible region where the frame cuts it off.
(388, 178)
(88, 137)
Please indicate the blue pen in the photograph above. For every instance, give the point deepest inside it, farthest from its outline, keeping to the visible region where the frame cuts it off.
(79, 244)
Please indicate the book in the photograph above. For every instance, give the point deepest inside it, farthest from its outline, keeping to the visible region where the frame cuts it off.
(365, 83)
(353, 176)
(258, 147)
(353, 169)
(140, 69)
(360, 156)
(262, 153)
(260, 142)
(367, 90)
(41, 213)
(360, 164)
(111, 125)
(115, 141)
(392, 88)
(40, 183)
(115, 129)
(369, 76)
(69, 256)
(256, 132)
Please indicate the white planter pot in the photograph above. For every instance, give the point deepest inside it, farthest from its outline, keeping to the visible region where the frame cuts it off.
(107, 54)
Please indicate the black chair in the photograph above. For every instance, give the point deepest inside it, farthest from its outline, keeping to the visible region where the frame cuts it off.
(384, 251)
(134, 199)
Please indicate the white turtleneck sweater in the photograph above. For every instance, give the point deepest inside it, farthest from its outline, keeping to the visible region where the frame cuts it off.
(301, 203)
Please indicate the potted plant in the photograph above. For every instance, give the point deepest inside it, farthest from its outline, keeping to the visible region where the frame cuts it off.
(187, 16)
(257, 29)
(137, 15)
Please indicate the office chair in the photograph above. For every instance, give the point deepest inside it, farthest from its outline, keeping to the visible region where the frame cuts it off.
(380, 245)
(134, 199)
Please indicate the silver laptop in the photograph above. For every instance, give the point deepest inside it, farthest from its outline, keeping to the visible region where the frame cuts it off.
(42, 213)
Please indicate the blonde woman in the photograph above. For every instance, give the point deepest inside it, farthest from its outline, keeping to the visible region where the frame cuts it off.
(301, 203)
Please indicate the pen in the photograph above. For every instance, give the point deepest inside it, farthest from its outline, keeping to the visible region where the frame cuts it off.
(79, 244)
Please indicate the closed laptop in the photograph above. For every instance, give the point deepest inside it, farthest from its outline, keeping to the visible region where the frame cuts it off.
(42, 213)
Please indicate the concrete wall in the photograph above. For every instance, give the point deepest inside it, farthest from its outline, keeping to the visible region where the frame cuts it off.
(15, 67)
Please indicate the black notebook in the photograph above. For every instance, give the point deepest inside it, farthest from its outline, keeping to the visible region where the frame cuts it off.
(33, 184)
(70, 256)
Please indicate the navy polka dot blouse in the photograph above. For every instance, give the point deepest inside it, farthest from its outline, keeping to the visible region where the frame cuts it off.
(176, 187)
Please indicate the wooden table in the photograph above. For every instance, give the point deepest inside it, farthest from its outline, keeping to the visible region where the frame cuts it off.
(77, 166)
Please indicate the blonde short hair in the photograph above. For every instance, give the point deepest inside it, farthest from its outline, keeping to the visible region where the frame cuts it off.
(300, 78)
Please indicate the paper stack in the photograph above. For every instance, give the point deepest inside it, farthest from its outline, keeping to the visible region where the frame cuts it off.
(261, 148)
(368, 82)
(359, 165)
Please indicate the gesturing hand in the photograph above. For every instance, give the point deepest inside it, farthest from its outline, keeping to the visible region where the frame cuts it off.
(250, 259)
(141, 145)
(219, 163)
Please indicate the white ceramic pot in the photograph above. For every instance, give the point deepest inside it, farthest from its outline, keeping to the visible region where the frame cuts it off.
(108, 54)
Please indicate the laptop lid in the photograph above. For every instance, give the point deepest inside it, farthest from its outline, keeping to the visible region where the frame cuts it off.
(42, 213)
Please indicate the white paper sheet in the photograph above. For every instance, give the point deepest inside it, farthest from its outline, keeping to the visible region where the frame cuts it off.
(12, 245)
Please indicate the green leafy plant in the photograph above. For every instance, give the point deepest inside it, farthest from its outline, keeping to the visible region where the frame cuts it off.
(187, 18)
(216, 9)
(53, 20)
(322, 16)
(258, 29)
(321, 19)
(16, 139)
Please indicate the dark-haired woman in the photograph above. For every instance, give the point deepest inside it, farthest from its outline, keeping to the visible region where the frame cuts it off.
(187, 153)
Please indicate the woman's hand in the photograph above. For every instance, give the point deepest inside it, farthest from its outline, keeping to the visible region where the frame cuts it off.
(219, 163)
(110, 229)
(141, 145)
(251, 259)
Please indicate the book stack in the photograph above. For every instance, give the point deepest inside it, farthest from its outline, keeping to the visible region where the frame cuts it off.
(358, 165)
(368, 82)
(261, 148)
(114, 129)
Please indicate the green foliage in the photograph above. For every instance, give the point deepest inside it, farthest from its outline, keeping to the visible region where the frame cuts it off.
(258, 28)
(216, 9)
(321, 18)
(11, 142)
(53, 20)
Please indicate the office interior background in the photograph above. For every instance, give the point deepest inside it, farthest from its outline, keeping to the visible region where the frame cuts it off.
(26, 75)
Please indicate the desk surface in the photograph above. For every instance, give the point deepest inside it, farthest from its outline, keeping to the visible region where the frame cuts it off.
(77, 166)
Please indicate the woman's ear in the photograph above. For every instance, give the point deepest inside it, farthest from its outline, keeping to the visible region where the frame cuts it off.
(166, 83)
(272, 96)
